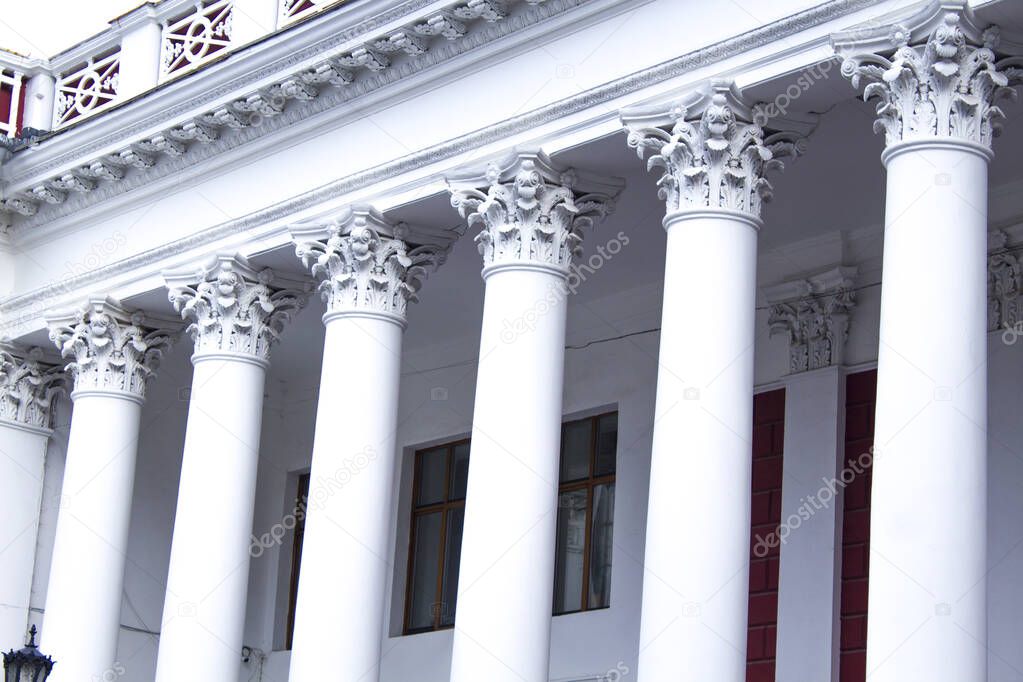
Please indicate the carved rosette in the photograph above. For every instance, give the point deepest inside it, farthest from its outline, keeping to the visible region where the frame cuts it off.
(530, 211)
(942, 84)
(111, 348)
(814, 315)
(234, 308)
(714, 155)
(28, 386)
(365, 264)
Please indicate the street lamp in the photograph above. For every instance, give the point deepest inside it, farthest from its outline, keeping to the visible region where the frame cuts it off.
(28, 664)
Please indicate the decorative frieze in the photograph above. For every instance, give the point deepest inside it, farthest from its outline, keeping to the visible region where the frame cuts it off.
(355, 71)
(814, 314)
(937, 75)
(233, 307)
(111, 348)
(532, 211)
(366, 264)
(714, 150)
(28, 386)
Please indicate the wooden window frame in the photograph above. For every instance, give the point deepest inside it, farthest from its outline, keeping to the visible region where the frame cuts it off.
(301, 503)
(587, 484)
(445, 506)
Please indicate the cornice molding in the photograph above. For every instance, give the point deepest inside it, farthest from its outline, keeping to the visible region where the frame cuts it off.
(531, 211)
(813, 312)
(234, 308)
(76, 179)
(20, 305)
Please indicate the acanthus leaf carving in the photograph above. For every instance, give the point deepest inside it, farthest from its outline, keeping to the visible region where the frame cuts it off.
(813, 313)
(234, 308)
(365, 263)
(28, 386)
(529, 210)
(716, 153)
(944, 85)
(111, 348)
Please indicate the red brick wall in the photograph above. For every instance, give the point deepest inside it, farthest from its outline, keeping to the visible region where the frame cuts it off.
(768, 441)
(860, 398)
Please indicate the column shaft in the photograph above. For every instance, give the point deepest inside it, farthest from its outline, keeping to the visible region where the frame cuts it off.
(506, 578)
(22, 455)
(83, 599)
(339, 620)
(207, 585)
(929, 506)
(695, 589)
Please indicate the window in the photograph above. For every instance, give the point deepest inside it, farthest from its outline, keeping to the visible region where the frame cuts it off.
(582, 579)
(301, 500)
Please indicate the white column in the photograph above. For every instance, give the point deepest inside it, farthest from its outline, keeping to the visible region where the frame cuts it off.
(27, 390)
(39, 94)
(237, 314)
(114, 353)
(141, 41)
(368, 274)
(252, 19)
(532, 217)
(696, 579)
(928, 545)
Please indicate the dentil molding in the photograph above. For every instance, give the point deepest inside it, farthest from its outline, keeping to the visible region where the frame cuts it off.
(935, 74)
(367, 264)
(28, 386)
(531, 211)
(233, 307)
(112, 349)
(713, 150)
(813, 313)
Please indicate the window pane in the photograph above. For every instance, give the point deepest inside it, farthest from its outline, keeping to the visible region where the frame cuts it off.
(452, 555)
(433, 472)
(568, 567)
(424, 571)
(601, 545)
(607, 445)
(575, 450)
(459, 471)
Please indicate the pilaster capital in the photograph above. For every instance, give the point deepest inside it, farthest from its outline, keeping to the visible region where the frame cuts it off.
(367, 264)
(28, 386)
(813, 313)
(531, 211)
(111, 348)
(235, 308)
(713, 149)
(935, 73)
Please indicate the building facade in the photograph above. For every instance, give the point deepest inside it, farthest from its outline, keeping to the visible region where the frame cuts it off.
(735, 397)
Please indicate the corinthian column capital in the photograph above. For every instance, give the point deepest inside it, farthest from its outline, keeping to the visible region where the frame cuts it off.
(366, 264)
(531, 211)
(935, 74)
(813, 313)
(112, 349)
(28, 386)
(233, 307)
(713, 150)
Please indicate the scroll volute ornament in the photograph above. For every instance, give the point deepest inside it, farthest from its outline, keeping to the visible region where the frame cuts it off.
(714, 153)
(945, 84)
(530, 210)
(28, 386)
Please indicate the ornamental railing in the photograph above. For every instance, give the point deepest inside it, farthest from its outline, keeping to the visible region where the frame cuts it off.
(11, 102)
(293, 10)
(191, 40)
(87, 89)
